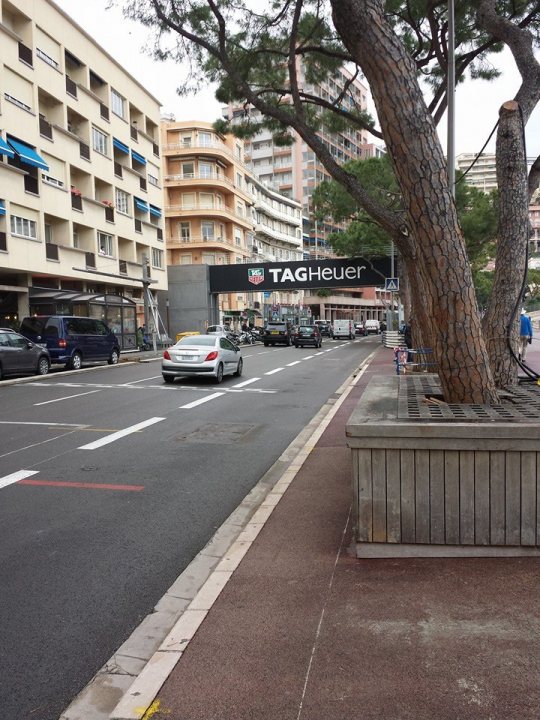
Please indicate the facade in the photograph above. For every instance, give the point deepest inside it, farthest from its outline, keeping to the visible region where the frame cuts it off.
(80, 178)
(483, 174)
(216, 213)
(295, 172)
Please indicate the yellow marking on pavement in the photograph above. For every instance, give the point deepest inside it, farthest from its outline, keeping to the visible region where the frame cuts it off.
(154, 708)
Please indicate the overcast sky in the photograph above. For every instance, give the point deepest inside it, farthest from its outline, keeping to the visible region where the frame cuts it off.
(477, 102)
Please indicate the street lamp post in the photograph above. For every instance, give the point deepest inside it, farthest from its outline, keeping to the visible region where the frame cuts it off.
(450, 92)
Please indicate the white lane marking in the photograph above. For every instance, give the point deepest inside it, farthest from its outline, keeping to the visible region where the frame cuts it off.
(273, 372)
(308, 357)
(120, 434)
(296, 362)
(201, 401)
(264, 352)
(133, 382)
(320, 353)
(15, 477)
(46, 424)
(69, 397)
(329, 350)
(246, 382)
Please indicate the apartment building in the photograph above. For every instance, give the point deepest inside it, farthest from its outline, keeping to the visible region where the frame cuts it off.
(80, 177)
(217, 213)
(482, 174)
(295, 172)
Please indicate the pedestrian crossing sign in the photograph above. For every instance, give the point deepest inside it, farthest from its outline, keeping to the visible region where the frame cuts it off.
(392, 284)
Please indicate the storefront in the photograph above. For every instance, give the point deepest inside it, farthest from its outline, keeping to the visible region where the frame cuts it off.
(118, 312)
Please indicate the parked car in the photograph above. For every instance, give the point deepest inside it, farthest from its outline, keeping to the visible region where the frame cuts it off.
(307, 335)
(325, 327)
(71, 339)
(373, 327)
(217, 330)
(343, 329)
(202, 355)
(360, 328)
(20, 356)
(277, 332)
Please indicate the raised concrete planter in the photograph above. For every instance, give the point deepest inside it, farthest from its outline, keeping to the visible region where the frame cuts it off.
(442, 487)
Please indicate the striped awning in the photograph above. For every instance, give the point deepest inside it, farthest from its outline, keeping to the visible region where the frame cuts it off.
(27, 154)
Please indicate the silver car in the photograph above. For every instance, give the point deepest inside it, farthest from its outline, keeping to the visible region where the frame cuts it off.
(204, 355)
(20, 356)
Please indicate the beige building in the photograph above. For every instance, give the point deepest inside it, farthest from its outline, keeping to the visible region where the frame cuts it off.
(80, 177)
(483, 174)
(217, 213)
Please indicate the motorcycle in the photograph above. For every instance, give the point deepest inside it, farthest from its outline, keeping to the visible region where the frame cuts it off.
(246, 338)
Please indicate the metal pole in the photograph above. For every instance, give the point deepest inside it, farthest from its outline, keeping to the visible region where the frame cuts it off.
(450, 91)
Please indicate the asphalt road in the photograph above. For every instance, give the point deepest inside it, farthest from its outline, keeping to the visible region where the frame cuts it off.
(111, 482)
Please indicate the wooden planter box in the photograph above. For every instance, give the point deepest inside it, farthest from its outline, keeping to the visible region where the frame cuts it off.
(447, 488)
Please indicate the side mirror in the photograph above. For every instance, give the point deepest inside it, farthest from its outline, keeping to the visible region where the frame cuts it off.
(29, 344)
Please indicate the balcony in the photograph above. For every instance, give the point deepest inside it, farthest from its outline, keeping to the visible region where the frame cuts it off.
(205, 211)
(25, 54)
(45, 128)
(51, 251)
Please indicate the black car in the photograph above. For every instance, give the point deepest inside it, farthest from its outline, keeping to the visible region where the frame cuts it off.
(325, 327)
(277, 333)
(20, 356)
(307, 335)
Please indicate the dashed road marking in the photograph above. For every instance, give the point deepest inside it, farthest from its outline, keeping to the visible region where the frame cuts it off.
(296, 362)
(273, 372)
(246, 382)
(120, 434)
(201, 401)
(15, 477)
(69, 397)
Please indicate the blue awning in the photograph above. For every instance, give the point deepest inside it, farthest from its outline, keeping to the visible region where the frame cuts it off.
(140, 205)
(5, 149)
(28, 155)
(138, 158)
(120, 146)
(2, 208)
(155, 211)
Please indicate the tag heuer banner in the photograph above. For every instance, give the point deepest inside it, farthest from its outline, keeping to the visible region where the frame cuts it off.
(351, 272)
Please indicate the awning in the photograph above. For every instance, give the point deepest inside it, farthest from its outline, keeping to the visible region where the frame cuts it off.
(5, 149)
(120, 146)
(2, 208)
(138, 158)
(28, 155)
(155, 211)
(140, 205)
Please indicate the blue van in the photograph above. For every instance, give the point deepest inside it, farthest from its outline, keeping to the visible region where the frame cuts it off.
(72, 340)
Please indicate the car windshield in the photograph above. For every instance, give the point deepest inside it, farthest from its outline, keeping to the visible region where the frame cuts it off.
(306, 328)
(198, 340)
(280, 326)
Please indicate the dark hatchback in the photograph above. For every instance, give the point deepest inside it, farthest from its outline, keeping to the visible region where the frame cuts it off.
(20, 356)
(277, 333)
(307, 335)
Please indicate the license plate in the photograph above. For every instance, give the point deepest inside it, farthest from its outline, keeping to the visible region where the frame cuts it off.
(274, 332)
(181, 358)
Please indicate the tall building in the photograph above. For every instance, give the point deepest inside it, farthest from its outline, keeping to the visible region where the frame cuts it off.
(483, 174)
(217, 213)
(80, 178)
(295, 171)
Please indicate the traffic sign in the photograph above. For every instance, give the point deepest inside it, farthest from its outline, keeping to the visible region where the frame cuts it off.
(392, 284)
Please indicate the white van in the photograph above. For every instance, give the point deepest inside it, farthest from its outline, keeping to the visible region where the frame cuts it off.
(372, 327)
(343, 329)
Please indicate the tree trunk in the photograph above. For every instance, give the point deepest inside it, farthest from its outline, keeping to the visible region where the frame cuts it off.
(441, 261)
(500, 322)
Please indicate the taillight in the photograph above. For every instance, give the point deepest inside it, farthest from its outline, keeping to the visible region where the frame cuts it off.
(62, 343)
(211, 356)
(166, 355)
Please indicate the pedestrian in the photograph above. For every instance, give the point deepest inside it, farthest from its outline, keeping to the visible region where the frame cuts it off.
(407, 334)
(525, 333)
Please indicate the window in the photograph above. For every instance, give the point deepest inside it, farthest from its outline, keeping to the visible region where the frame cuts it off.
(23, 227)
(205, 169)
(76, 239)
(239, 180)
(208, 259)
(206, 200)
(157, 258)
(105, 244)
(188, 201)
(153, 180)
(118, 104)
(99, 141)
(186, 140)
(185, 231)
(121, 201)
(205, 139)
(207, 230)
(185, 260)
(48, 233)
(188, 170)
(51, 180)
(239, 151)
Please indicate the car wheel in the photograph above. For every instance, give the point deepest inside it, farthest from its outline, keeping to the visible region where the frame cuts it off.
(219, 374)
(169, 379)
(113, 360)
(76, 361)
(43, 365)
(239, 367)
(265, 344)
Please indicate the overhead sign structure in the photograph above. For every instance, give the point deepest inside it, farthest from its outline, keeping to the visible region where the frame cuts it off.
(392, 284)
(311, 274)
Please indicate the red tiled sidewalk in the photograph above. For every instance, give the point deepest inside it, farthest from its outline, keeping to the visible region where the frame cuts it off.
(304, 631)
